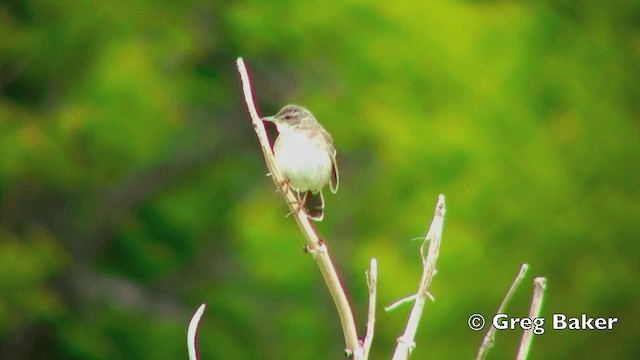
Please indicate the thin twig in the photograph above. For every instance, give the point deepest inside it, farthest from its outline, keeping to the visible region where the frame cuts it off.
(372, 280)
(487, 342)
(434, 235)
(315, 245)
(539, 286)
(192, 331)
(405, 300)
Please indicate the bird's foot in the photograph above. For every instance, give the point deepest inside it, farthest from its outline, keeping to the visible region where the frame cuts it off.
(298, 205)
(283, 186)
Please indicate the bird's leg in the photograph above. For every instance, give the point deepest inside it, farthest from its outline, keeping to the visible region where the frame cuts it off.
(300, 204)
(283, 185)
(282, 188)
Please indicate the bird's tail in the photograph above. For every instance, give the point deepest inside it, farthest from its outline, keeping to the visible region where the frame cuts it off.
(314, 205)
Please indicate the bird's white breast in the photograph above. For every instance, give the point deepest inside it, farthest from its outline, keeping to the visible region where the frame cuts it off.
(304, 161)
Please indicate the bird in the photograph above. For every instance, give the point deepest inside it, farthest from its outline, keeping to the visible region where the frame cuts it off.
(305, 155)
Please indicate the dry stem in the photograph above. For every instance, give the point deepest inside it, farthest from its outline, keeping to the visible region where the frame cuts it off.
(315, 245)
(539, 286)
(487, 342)
(434, 235)
(372, 280)
(192, 332)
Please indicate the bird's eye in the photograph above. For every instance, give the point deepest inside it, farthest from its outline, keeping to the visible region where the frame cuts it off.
(287, 117)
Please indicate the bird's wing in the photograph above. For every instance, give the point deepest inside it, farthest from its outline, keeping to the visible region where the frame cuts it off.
(335, 179)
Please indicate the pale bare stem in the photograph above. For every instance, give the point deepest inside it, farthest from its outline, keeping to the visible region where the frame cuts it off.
(539, 286)
(434, 235)
(315, 245)
(372, 279)
(487, 342)
(192, 331)
(405, 300)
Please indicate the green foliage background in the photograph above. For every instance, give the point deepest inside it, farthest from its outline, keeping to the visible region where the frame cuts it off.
(132, 188)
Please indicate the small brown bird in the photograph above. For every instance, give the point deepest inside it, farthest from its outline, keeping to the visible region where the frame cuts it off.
(305, 156)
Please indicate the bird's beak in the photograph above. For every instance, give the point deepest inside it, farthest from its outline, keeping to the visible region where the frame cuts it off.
(268, 118)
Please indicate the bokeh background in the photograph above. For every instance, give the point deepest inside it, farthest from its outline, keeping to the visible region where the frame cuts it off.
(132, 187)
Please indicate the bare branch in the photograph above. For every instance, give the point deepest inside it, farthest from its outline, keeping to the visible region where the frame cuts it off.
(539, 286)
(314, 244)
(434, 235)
(192, 331)
(405, 300)
(372, 279)
(487, 342)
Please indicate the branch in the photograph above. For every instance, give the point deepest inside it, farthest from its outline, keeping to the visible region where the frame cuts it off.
(487, 342)
(315, 246)
(539, 285)
(405, 300)
(372, 279)
(434, 235)
(192, 331)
